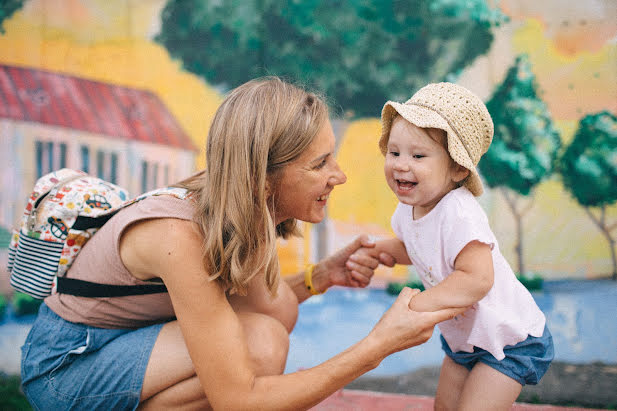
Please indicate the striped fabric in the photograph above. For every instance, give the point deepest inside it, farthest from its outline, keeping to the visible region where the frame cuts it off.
(63, 212)
(33, 265)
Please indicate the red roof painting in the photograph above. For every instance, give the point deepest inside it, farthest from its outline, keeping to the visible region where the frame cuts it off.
(29, 94)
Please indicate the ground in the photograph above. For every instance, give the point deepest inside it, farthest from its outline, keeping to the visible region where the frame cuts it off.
(584, 385)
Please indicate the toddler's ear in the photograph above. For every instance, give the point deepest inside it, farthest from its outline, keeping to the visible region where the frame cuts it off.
(459, 173)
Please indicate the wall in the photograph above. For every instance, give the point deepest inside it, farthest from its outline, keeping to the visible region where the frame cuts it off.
(571, 47)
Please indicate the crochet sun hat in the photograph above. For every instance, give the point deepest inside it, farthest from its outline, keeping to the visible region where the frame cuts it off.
(457, 111)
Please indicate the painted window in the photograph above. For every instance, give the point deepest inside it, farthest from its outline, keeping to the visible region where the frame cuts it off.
(85, 158)
(49, 156)
(144, 176)
(113, 177)
(62, 155)
(150, 178)
(107, 166)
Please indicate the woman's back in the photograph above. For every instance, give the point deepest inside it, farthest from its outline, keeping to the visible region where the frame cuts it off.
(100, 261)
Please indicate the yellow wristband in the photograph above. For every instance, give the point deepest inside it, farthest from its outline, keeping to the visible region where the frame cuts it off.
(308, 280)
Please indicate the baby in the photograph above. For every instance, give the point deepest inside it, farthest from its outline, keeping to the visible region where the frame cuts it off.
(432, 145)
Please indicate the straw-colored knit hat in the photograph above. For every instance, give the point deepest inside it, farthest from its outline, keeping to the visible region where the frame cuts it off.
(457, 111)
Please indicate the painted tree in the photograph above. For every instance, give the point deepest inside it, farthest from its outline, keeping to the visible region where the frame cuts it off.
(589, 171)
(359, 53)
(525, 146)
(7, 8)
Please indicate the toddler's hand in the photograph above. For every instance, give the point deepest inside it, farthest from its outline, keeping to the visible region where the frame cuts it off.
(362, 264)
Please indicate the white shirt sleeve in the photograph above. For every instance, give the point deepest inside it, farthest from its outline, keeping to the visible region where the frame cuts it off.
(462, 226)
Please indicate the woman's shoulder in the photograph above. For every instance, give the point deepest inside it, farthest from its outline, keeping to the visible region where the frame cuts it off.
(164, 205)
(145, 245)
(156, 232)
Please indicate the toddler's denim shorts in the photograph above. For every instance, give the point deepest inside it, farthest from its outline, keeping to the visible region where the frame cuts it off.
(73, 366)
(525, 362)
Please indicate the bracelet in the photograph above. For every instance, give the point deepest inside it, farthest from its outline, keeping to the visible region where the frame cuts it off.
(308, 280)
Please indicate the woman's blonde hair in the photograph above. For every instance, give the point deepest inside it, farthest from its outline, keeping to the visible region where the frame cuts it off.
(260, 127)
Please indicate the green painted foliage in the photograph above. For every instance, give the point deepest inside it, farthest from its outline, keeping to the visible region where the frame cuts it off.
(394, 288)
(7, 8)
(526, 143)
(11, 397)
(5, 237)
(3, 305)
(23, 304)
(533, 282)
(589, 164)
(359, 53)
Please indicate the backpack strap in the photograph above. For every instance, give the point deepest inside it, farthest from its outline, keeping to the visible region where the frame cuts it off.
(81, 288)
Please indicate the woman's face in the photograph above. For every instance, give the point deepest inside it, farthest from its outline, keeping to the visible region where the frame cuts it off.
(304, 185)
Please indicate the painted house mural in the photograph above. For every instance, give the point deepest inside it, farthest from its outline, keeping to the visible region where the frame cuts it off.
(50, 121)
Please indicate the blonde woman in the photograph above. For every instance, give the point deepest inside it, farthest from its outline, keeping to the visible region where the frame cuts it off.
(219, 338)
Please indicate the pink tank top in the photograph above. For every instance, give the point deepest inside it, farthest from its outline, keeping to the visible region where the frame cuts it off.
(99, 261)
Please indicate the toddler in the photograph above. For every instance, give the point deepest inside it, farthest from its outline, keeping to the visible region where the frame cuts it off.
(432, 145)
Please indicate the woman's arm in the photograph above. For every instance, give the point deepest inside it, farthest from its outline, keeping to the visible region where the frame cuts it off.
(337, 269)
(215, 338)
(470, 281)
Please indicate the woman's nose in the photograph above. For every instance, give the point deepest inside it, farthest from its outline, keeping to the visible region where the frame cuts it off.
(338, 177)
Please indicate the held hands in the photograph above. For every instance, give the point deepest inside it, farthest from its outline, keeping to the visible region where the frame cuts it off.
(401, 328)
(364, 260)
(357, 271)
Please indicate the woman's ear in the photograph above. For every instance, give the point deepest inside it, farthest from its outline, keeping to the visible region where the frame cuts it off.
(268, 188)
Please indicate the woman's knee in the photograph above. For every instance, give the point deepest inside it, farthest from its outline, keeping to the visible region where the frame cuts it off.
(287, 312)
(268, 342)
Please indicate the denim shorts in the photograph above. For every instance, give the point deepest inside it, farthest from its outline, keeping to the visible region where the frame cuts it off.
(73, 366)
(525, 362)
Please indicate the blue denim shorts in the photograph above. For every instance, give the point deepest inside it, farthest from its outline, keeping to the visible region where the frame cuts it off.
(73, 366)
(525, 362)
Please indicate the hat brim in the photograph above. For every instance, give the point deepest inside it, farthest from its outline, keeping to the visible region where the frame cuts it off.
(424, 117)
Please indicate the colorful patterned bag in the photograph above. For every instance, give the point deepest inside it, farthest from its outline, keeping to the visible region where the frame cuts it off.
(66, 208)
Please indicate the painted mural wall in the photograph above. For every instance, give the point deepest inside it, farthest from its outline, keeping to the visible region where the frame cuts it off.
(569, 50)
(126, 89)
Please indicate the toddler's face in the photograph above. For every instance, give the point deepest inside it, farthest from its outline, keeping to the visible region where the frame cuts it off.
(418, 168)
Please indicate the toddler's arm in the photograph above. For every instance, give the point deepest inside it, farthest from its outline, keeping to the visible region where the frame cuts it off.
(470, 281)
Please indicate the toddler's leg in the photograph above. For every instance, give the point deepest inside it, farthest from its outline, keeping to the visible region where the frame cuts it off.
(451, 381)
(488, 389)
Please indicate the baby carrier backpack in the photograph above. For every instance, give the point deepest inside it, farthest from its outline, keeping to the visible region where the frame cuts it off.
(66, 208)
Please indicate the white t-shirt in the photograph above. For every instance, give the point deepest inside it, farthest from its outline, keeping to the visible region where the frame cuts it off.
(508, 313)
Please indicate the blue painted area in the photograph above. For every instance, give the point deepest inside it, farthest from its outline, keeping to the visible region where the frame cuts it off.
(13, 332)
(581, 316)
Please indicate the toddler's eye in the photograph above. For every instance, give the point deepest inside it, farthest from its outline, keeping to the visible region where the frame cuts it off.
(419, 156)
(394, 153)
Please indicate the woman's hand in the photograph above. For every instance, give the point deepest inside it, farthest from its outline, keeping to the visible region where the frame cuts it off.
(401, 328)
(340, 270)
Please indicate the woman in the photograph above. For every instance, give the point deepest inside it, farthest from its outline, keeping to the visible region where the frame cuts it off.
(220, 337)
